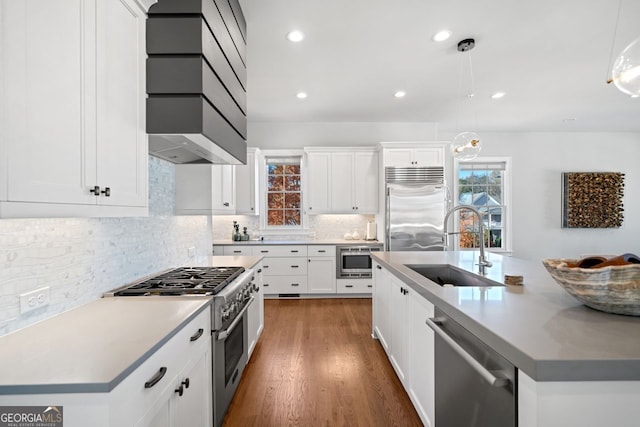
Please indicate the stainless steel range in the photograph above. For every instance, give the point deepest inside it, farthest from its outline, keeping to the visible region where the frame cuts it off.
(232, 290)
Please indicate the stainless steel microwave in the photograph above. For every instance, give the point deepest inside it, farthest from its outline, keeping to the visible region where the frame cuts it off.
(354, 261)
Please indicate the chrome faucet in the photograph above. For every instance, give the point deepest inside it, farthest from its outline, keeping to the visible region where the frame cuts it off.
(482, 260)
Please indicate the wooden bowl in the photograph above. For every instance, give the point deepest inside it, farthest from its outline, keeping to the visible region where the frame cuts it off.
(613, 289)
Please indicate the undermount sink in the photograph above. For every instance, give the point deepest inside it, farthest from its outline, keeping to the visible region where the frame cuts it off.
(448, 275)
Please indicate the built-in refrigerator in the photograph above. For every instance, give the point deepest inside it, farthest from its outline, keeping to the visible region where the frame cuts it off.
(416, 203)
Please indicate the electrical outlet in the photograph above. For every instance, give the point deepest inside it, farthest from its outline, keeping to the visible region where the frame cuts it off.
(191, 252)
(34, 300)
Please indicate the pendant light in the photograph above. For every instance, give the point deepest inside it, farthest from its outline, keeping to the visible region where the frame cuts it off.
(466, 145)
(625, 73)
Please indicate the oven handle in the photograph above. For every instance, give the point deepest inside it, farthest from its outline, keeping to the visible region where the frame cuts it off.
(477, 366)
(224, 334)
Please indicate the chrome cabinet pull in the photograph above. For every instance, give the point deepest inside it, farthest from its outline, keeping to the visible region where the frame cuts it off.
(477, 366)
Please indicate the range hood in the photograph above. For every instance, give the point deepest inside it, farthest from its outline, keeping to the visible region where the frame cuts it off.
(196, 80)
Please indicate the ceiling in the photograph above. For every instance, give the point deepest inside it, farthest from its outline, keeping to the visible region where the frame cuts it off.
(550, 57)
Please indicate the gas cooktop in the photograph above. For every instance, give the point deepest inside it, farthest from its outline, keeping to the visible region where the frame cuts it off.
(184, 281)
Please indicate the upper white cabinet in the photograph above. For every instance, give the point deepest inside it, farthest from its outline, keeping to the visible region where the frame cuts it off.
(205, 189)
(342, 181)
(247, 185)
(318, 182)
(72, 99)
(409, 155)
(354, 182)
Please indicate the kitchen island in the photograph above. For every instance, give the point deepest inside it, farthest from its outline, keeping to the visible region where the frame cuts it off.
(574, 363)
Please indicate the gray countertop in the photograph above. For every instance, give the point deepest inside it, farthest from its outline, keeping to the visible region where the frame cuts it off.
(92, 348)
(539, 327)
(297, 242)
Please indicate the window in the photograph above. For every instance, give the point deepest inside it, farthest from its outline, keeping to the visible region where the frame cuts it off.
(283, 192)
(483, 183)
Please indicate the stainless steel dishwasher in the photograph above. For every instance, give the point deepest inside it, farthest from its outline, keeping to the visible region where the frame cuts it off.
(474, 385)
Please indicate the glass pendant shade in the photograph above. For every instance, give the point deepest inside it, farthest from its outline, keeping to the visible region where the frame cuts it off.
(466, 146)
(626, 69)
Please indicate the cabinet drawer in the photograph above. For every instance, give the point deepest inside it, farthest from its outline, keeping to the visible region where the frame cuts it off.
(321, 250)
(237, 250)
(285, 285)
(131, 398)
(290, 266)
(280, 250)
(218, 250)
(354, 286)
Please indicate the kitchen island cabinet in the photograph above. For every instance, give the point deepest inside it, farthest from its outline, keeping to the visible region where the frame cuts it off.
(575, 365)
(72, 109)
(116, 362)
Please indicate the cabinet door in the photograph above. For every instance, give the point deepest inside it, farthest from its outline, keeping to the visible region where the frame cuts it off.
(382, 305)
(194, 407)
(399, 328)
(48, 100)
(318, 179)
(122, 146)
(341, 192)
(421, 358)
(223, 185)
(398, 157)
(321, 275)
(365, 182)
(246, 185)
(428, 157)
(203, 189)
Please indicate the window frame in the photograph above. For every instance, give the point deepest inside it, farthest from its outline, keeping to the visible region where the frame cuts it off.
(266, 229)
(507, 228)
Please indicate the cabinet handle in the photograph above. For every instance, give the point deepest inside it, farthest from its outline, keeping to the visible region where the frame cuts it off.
(378, 267)
(294, 251)
(259, 270)
(95, 190)
(237, 252)
(196, 336)
(322, 251)
(106, 192)
(369, 286)
(185, 383)
(225, 204)
(156, 378)
(264, 252)
(265, 285)
(348, 286)
(266, 266)
(295, 284)
(180, 390)
(294, 266)
(310, 208)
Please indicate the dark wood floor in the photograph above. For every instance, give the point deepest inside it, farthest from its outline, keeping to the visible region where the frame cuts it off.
(317, 365)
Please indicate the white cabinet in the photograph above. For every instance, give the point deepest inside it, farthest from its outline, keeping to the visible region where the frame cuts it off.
(204, 189)
(321, 275)
(399, 315)
(246, 188)
(284, 268)
(256, 311)
(318, 182)
(354, 286)
(407, 157)
(354, 182)
(72, 110)
(382, 305)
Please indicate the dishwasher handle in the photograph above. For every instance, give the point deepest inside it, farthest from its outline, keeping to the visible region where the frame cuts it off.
(484, 372)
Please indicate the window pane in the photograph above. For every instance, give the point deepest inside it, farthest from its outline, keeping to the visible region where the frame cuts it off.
(292, 200)
(292, 217)
(275, 217)
(292, 169)
(284, 207)
(276, 183)
(275, 200)
(292, 182)
(275, 169)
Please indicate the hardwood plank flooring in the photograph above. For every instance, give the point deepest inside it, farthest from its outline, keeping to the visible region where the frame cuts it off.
(317, 365)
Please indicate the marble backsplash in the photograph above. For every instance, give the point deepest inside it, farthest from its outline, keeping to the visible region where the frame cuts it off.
(81, 258)
(318, 227)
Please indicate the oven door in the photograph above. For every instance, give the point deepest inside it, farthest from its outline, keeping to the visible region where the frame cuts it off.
(230, 357)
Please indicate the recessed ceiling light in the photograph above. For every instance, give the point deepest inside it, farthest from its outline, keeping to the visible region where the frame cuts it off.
(301, 95)
(400, 94)
(441, 36)
(498, 95)
(295, 36)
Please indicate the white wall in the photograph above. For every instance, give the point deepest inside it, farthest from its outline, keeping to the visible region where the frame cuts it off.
(297, 135)
(538, 162)
(80, 258)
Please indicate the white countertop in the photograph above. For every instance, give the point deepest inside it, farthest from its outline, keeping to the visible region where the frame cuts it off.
(538, 327)
(297, 242)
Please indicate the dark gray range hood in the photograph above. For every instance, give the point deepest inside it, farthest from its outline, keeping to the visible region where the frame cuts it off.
(196, 81)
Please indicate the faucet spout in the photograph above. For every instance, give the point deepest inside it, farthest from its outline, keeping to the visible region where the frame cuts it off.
(482, 259)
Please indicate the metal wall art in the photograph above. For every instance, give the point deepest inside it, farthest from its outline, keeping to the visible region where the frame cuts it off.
(592, 199)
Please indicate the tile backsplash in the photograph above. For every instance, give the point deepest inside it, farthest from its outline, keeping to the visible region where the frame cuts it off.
(80, 258)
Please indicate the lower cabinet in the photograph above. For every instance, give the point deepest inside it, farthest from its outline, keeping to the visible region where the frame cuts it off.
(399, 315)
(321, 275)
(256, 311)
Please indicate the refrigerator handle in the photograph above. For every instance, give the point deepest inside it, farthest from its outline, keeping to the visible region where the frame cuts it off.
(387, 220)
